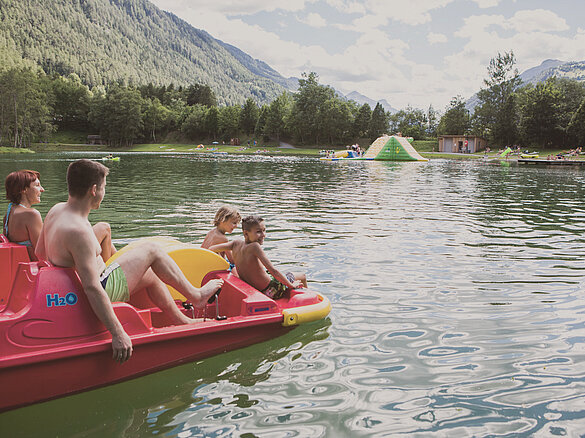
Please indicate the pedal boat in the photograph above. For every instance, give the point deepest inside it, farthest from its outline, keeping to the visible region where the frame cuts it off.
(53, 345)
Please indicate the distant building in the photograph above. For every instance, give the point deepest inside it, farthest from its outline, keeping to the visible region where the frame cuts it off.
(464, 144)
(94, 139)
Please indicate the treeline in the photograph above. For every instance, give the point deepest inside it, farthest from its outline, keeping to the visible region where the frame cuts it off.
(34, 105)
(548, 114)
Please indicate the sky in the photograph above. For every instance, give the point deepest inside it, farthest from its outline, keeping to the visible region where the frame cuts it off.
(413, 53)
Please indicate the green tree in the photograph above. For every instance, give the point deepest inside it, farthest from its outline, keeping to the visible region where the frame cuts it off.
(378, 122)
(200, 94)
(277, 115)
(433, 118)
(456, 119)
(229, 121)
(577, 124)
(410, 122)
(71, 102)
(306, 111)
(118, 115)
(212, 122)
(249, 116)
(24, 111)
(540, 115)
(157, 118)
(496, 116)
(361, 123)
(335, 118)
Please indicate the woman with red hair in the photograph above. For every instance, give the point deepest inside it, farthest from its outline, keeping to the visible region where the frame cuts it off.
(22, 223)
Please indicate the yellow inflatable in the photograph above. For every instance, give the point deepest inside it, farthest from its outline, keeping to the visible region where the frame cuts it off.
(195, 262)
(340, 154)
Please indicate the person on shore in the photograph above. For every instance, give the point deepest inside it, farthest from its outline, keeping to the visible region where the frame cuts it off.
(67, 240)
(253, 264)
(22, 223)
(226, 221)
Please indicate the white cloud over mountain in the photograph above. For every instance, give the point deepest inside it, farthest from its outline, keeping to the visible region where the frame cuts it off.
(414, 53)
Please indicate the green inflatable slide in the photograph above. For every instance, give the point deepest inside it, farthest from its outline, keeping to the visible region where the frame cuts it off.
(392, 148)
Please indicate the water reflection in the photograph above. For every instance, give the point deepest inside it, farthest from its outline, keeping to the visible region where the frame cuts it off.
(456, 289)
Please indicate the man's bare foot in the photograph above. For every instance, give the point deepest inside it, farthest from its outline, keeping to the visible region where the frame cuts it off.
(209, 288)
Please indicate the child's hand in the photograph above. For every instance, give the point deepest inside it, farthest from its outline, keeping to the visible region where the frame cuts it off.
(297, 284)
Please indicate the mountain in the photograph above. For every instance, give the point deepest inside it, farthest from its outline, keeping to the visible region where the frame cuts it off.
(361, 99)
(534, 75)
(132, 41)
(260, 68)
(548, 69)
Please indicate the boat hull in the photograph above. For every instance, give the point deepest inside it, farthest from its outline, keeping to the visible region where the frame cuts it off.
(53, 345)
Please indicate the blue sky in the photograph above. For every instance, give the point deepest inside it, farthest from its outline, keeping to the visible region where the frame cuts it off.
(410, 52)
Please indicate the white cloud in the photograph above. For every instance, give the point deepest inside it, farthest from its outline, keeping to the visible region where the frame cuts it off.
(538, 20)
(232, 7)
(314, 20)
(378, 66)
(484, 4)
(435, 38)
(412, 12)
(347, 7)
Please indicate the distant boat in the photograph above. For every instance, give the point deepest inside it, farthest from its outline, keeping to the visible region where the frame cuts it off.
(110, 158)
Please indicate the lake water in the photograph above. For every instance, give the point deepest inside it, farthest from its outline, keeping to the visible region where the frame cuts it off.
(457, 291)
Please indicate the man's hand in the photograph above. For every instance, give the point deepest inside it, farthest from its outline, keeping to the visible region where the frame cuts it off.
(122, 347)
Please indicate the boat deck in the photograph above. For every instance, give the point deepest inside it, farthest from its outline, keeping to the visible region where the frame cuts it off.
(551, 162)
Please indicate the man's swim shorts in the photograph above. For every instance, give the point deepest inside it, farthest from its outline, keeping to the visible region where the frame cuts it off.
(114, 282)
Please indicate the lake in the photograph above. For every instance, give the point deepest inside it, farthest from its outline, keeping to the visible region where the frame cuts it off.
(457, 290)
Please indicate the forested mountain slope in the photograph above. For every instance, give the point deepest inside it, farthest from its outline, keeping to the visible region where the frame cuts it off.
(126, 40)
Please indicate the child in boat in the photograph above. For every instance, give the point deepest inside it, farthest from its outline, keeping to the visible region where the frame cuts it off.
(253, 265)
(226, 220)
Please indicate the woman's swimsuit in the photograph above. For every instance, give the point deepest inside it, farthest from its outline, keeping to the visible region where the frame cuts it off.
(114, 282)
(275, 288)
(27, 243)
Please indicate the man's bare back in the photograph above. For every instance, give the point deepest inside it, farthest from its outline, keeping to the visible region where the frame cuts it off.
(62, 227)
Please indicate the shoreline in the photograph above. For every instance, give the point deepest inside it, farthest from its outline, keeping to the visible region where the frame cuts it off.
(264, 150)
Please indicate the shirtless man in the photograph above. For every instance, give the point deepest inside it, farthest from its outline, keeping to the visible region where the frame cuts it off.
(252, 263)
(68, 240)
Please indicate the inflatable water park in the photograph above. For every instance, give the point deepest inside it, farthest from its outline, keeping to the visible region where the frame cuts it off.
(54, 345)
(385, 148)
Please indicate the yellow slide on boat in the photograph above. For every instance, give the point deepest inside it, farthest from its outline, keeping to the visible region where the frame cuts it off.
(195, 262)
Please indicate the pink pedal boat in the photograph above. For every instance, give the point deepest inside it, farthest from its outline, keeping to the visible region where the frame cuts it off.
(53, 345)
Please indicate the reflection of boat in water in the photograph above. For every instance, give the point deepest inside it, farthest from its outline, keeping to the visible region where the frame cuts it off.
(53, 345)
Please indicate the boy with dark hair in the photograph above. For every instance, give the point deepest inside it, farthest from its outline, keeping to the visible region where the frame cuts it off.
(252, 263)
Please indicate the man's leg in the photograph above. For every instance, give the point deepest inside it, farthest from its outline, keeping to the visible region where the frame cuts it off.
(136, 262)
(160, 296)
(103, 232)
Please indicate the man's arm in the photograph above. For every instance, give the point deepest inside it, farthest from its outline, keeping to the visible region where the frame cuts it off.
(82, 249)
(34, 224)
(40, 250)
(259, 252)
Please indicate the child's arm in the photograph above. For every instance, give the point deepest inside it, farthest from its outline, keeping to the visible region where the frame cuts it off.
(220, 247)
(259, 252)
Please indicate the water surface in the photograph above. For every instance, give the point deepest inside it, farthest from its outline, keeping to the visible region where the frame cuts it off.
(457, 292)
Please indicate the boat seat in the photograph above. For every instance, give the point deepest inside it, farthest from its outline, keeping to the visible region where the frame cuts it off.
(11, 254)
(49, 306)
